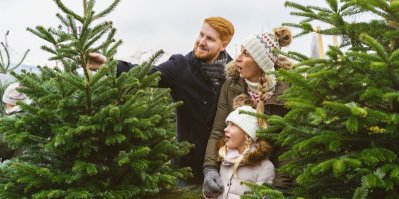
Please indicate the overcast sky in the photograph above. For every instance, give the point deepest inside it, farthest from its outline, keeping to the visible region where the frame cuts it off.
(149, 25)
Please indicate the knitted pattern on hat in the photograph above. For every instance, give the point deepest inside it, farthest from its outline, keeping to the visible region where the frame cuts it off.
(261, 48)
(248, 123)
(11, 95)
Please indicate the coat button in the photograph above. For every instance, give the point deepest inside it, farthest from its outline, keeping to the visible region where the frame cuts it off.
(205, 102)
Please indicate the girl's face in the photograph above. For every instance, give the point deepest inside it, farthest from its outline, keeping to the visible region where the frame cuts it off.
(247, 66)
(235, 137)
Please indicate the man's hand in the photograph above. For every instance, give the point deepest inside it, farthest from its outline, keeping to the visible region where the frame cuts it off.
(96, 60)
(213, 184)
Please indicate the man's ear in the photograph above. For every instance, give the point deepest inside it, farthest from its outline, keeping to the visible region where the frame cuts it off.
(224, 46)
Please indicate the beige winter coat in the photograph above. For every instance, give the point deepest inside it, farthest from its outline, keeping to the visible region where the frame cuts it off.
(255, 168)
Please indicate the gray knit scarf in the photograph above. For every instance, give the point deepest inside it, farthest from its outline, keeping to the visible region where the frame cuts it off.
(215, 71)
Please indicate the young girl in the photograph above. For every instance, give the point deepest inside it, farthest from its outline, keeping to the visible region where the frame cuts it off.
(243, 156)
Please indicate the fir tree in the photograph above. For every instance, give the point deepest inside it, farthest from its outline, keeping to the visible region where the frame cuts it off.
(90, 136)
(342, 127)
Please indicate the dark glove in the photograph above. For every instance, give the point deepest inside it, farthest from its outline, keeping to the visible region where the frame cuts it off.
(213, 184)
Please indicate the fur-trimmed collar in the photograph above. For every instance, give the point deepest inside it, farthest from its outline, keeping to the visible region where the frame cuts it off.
(232, 70)
(261, 151)
(232, 73)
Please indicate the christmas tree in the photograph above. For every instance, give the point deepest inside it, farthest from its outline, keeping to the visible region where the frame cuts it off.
(94, 135)
(342, 127)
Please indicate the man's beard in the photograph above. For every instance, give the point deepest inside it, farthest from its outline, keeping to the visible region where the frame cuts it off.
(206, 57)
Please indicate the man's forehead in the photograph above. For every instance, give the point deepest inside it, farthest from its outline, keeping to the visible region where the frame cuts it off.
(209, 31)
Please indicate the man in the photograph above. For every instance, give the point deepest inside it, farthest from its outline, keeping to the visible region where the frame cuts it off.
(195, 79)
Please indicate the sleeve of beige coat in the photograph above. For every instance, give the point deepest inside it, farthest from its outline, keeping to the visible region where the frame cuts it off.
(267, 173)
(217, 132)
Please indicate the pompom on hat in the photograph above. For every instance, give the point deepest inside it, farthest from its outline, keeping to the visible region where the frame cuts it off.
(248, 123)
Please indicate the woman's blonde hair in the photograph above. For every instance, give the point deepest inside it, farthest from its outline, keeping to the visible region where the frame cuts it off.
(284, 38)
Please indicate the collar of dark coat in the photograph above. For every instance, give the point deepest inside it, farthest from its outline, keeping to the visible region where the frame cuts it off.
(191, 57)
(241, 87)
(261, 152)
(196, 63)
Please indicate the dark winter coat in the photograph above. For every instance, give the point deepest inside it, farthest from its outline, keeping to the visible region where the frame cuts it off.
(183, 75)
(234, 86)
(5, 151)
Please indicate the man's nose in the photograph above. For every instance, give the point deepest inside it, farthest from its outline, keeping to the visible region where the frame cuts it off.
(202, 40)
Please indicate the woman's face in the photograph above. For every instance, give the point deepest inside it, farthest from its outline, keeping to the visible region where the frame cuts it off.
(9, 108)
(247, 66)
(235, 137)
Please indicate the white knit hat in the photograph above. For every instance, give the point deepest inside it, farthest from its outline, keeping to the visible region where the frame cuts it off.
(248, 123)
(11, 95)
(261, 47)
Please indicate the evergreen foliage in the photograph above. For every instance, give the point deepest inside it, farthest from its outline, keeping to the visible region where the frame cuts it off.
(3, 87)
(259, 191)
(342, 128)
(90, 136)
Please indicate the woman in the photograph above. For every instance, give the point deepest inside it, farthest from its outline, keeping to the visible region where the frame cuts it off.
(10, 98)
(249, 73)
